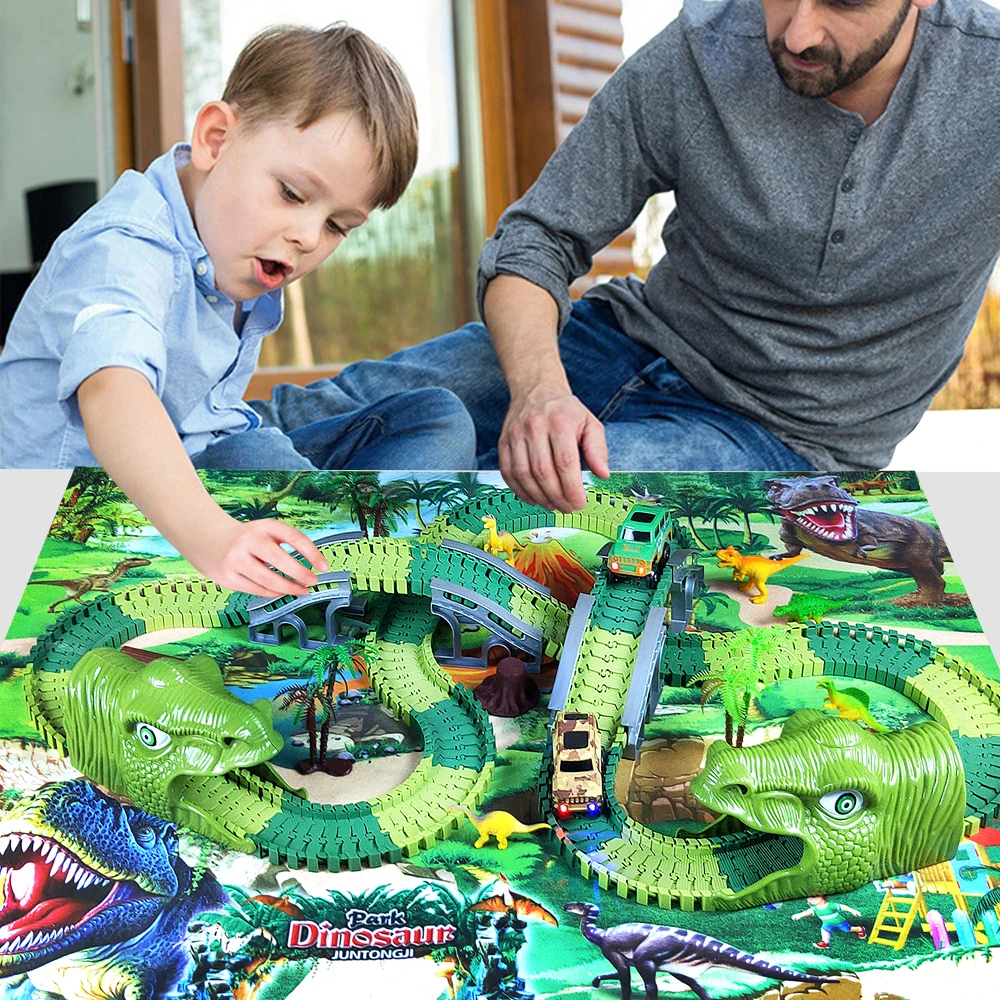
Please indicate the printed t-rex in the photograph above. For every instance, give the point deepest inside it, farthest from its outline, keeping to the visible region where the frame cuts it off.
(816, 513)
(685, 954)
(157, 731)
(753, 569)
(75, 589)
(96, 899)
(851, 703)
(499, 824)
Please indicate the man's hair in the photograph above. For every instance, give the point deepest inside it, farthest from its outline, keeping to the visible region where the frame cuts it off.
(304, 73)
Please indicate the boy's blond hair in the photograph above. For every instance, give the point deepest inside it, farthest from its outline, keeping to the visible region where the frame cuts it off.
(304, 73)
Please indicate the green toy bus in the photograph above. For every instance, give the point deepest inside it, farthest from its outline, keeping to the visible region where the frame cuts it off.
(643, 544)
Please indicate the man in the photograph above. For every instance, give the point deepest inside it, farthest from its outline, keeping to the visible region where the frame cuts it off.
(836, 166)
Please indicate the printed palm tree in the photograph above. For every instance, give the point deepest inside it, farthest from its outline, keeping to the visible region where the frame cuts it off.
(708, 602)
(691, 504)
(720, 508)
(92, 502)
(737, 678)
(383, 501)
(348, 488)
(251, 510)
(991, 900)
(747, 503)
(416, 493)
(446, 492)
(470, 486)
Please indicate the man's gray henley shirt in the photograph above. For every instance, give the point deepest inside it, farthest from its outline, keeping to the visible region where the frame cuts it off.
(821, 276)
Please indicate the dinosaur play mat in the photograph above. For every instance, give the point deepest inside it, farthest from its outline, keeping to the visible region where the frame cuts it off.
(382, 865)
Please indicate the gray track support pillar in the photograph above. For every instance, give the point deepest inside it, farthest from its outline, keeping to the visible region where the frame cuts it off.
(482, 612)
(333, 590)
(645, 685)
(570, 652)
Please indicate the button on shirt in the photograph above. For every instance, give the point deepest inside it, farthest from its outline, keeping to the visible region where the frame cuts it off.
(129, 285)
(821, 276)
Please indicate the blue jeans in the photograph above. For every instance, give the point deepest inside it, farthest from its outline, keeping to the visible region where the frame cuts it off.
(653, 419)
(315, 427)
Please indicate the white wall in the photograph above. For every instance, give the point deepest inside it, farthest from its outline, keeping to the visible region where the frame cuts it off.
(47, 134)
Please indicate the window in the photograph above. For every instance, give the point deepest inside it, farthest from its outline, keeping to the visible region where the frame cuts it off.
(404, 276)
(631, 535)
(576, 766)
(576, 740)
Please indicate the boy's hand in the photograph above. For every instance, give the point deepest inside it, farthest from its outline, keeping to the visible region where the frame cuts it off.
(539, 449)
(240, 556)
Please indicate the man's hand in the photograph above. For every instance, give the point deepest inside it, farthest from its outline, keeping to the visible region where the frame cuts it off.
(543, 435)
(244, 556)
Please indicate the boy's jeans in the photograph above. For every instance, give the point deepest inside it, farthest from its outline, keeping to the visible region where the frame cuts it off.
(652, 417)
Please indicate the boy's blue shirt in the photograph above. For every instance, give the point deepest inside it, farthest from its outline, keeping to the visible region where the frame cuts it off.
(129, 285)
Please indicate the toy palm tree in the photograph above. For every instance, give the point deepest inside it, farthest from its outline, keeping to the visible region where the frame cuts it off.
(330, 665)
(736, 679)
(309, 700)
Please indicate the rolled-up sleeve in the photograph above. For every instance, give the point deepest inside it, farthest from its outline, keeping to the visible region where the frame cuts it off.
(108, 302)
(596, 182)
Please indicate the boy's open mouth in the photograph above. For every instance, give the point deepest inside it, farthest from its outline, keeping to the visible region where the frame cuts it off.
(270, 273)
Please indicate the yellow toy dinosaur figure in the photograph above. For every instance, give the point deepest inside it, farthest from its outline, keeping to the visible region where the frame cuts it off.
(754, 569)
(498, 824)
(851, 703)
(504, 542)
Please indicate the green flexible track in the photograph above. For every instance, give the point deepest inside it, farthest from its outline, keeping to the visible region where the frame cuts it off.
(718, 870)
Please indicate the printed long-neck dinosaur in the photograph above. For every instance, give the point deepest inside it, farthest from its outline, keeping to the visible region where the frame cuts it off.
(95, 898)
(499, 824)
(685, 954)
(75, 589)
(837, 805)
(156, 731)
(851, 704)
(818, 514)
(754, 569)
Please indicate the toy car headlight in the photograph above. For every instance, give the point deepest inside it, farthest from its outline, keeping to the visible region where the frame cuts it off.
(614, 564)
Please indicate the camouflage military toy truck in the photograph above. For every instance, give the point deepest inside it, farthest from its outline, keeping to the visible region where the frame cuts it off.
(577, 785)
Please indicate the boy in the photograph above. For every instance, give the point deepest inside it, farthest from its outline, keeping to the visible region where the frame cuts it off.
(134, 345)
(831, 917)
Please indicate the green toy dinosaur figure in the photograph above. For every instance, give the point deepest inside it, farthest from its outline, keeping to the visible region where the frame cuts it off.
(156, 731)
(808, 607)
(837, 806)
(499, 824)
(851, 703)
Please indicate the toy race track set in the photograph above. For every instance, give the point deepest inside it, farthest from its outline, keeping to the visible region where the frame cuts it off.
(716, 735)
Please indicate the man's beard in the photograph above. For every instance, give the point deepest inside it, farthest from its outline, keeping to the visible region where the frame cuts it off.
(837, 76)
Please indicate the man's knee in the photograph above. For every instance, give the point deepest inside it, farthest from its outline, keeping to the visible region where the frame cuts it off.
(438, 425)
(434, 405)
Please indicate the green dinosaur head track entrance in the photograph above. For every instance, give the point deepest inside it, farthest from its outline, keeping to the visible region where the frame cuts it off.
(832, 806)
